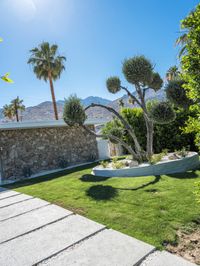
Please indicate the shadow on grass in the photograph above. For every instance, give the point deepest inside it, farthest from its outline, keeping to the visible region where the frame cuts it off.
(100, 192)
(156, 180)
(48, 177)
(185, 175)
(93, 178)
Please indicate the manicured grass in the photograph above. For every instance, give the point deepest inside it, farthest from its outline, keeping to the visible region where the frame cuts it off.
(148, 208)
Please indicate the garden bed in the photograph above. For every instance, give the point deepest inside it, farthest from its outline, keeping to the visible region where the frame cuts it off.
(165, 166)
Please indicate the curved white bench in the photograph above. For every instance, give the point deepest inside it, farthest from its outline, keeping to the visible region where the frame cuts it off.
(191, 162)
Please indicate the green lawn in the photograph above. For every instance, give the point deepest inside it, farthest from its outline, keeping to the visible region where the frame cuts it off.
(148, 208)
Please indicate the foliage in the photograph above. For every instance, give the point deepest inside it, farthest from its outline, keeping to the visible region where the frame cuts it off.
(167, 136)
(47, 65)
(45, 60)
(138, 70)
(8, 111)
(156, 82)
(165, 152)
(113, 84)
(190, 63)
(176, 93)
(118, 165)
(74, 111)
(104, 164)
(182, 41)
(162, 113)
(115, 128)
(172, 136)
(183, 152)
(13, 109)
(134, 116)
(173, 73)
(155, 158)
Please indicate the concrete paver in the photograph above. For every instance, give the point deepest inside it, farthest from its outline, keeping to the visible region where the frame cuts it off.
(21, 207)
(22, 224)
(108, 247)
(13, 200)
(163, 258)
(7, 194)
(31, 248)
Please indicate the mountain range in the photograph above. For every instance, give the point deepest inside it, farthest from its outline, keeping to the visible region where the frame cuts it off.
(44, 110)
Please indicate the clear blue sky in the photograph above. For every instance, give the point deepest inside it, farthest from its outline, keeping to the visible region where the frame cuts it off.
(94, 35)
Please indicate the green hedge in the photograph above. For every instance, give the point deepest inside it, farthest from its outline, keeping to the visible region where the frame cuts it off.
(169, 136)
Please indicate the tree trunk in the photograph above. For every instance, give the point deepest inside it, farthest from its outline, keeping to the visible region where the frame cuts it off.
(149, 125)
(129, 129)
(16, 113)
(53, 97)
(124, 144)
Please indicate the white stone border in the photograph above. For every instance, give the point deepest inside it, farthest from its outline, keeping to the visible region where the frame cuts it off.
(190, 162)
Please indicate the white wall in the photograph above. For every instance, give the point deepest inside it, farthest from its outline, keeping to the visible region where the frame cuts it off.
(103, 149)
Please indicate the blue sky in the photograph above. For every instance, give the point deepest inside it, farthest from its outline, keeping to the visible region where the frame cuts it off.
(95, 36)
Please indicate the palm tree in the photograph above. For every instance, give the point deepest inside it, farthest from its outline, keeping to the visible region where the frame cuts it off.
(47, 65)
(17, 105)
(182, 41)
(172, 73)
(8, 111)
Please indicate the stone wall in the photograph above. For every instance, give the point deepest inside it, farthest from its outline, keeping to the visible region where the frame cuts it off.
(33, 150)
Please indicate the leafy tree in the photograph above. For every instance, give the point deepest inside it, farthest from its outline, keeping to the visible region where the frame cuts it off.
(47, 65)
(190, 63)
(172, 73)
(17, 105)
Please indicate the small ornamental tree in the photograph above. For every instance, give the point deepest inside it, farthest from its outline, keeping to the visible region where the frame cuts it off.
(139, 72)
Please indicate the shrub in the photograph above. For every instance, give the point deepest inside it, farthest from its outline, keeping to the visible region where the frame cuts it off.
(104, 164)
(183, 152)
(176, 93)
(118, 165)
(166, 136)
(155, 158)
(162, 113)
(74, 111)
(114, 128)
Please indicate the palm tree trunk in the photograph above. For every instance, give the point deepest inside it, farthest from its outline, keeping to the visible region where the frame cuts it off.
(53, 97)
(16, 112)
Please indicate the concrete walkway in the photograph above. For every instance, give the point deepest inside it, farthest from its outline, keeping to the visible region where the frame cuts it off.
(35, 232)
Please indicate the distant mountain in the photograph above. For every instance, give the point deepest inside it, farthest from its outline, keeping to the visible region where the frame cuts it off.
(95, 99)
(44, 110)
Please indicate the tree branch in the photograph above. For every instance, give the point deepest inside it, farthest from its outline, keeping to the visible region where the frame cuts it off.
(109, 136)
(126, 125)
(131, 95)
